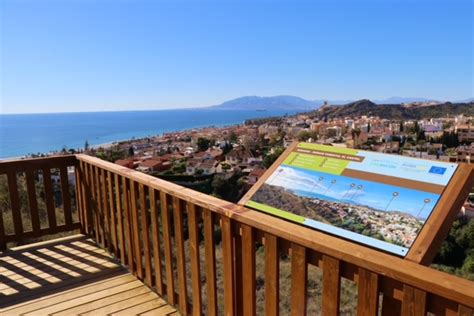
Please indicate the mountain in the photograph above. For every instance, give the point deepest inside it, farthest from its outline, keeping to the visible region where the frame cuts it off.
(288, 102)
(469, 100)
(281, 102)
(394, 111)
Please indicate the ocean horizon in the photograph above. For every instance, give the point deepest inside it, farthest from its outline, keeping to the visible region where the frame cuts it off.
(25, 134)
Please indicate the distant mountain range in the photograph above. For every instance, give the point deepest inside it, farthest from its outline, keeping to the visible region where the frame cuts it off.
(281, 102)
(288, 102)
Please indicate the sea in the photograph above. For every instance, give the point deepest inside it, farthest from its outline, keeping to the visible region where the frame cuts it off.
(24, 134)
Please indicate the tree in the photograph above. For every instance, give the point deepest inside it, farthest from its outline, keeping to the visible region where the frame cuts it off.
(305, 135)
(203, 143)
(226, 148)
(86, 146)
(198, 172)
(449, 139)
(270, 158)
(131, 151)
(233, 137)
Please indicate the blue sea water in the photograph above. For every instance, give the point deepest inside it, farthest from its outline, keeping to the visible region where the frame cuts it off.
(22, 134)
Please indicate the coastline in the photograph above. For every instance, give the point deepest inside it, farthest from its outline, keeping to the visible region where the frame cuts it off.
(26, 135)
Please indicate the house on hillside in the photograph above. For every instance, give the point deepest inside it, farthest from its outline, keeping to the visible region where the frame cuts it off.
(153, 165)
(129, 163)
(239, 154)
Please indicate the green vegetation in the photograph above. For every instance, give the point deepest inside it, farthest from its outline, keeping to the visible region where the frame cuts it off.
(270, 158)
(230, 189)
(457, 252)
(111, 154)
(203, 143)
(305, 135)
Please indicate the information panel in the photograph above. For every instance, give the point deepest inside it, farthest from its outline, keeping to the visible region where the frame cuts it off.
(375, 199)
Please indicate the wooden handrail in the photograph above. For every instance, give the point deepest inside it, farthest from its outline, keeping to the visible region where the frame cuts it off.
(401, 275)
(29, 170)
(147, 222)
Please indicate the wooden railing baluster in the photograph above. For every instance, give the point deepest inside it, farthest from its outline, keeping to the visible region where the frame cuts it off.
(168, 247)
(95, 211)
(112, 212)
(32, 201)
(238, 276)
(104, 205)
(465, 311)
(91, 202)
(137, 252)
(128, 224)
(145, 229)
(228, 262)
(49, 197)
(15, 203)
(86, 198)
(272, 275)
(80, 207)
(193, 220)
(3, 242)
(299, 280)
(66, 196)
(155, 230)
(210, 254)
(120, 227)
(180, 259)
(248, 271)
(368, 295)
(414, 301)
(331, 285)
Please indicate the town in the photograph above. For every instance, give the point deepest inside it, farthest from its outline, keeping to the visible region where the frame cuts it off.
(208, 159)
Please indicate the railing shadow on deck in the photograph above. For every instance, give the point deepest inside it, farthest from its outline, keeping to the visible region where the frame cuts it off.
(47, 268)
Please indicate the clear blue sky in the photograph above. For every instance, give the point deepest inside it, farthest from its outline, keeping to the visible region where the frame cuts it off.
(83, 55)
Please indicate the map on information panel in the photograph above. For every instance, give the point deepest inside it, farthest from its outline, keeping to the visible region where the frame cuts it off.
(375, 199)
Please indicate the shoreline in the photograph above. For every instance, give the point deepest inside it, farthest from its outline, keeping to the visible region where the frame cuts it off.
(28, 148)
(108, 145)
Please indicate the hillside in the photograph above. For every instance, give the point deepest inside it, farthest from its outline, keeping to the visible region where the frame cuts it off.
(394, 111)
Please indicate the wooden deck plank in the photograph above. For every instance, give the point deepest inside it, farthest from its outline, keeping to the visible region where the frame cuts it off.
(52, 294)
(163, 310)
(144, 307)
(118, 306)
(48, 308)
(70, 278)
(104, 298)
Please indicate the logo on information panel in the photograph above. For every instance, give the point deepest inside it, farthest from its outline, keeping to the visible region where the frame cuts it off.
(437, 170)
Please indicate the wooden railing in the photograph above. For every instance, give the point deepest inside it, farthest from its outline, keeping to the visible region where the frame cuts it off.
(167, 235)
(202, 254)
(29, 208)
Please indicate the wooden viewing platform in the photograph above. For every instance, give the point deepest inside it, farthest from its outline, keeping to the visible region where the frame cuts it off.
(70, 276)
(148, 244)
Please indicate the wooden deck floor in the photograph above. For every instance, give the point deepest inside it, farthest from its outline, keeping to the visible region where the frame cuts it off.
(72, 276)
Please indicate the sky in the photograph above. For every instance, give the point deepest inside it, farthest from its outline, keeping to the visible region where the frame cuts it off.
(84, 55)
